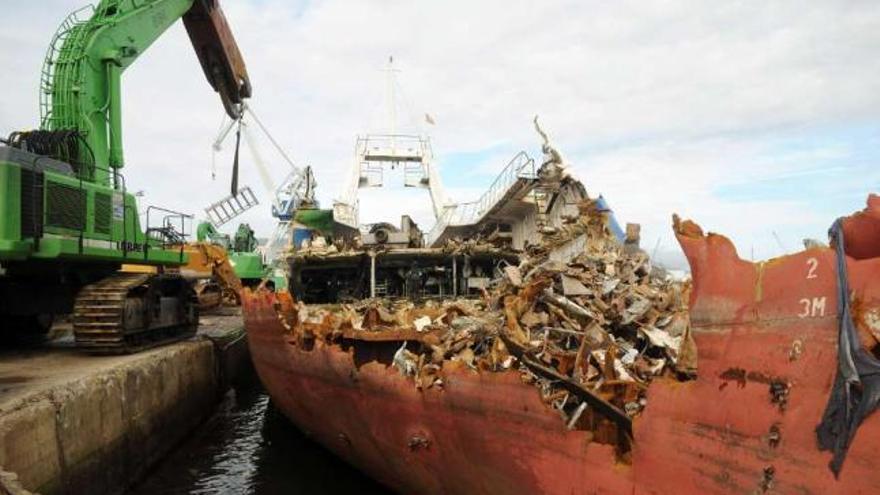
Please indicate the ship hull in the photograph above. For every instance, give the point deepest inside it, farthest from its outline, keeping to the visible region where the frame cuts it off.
(482, 433)
(767, 340)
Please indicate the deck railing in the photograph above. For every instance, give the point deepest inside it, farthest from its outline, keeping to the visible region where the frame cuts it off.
(521, 166)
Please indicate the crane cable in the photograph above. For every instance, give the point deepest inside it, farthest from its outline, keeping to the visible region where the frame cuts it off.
(265, 131)
(235, 159)
(265, 177)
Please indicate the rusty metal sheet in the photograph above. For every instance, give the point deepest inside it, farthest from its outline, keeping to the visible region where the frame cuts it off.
(218, 53)
(483, 433)
(767, 335)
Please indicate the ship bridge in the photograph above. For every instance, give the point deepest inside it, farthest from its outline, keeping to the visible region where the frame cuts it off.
(373, 153)
(513, 209)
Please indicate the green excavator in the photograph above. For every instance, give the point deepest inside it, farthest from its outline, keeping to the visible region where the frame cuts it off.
(68, 220)
(244, 257)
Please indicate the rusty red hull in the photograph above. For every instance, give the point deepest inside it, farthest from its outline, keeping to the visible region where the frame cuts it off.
(767, 339)
(485, 433)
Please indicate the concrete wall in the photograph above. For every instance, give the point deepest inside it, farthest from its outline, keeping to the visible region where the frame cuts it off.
(524, 228)
(101, 433)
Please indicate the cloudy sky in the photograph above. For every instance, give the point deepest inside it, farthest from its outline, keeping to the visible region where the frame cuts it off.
(760, 120)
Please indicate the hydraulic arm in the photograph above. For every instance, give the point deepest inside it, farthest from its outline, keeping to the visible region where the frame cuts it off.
(84, 66)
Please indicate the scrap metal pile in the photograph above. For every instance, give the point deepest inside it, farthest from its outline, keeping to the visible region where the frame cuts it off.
(589, 333)
(594, 331)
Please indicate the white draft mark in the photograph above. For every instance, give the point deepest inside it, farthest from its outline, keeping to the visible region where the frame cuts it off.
(812, 307)
(812, 263)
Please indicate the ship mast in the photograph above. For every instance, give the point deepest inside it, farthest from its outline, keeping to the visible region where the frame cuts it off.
(391, 101)
(374, 151)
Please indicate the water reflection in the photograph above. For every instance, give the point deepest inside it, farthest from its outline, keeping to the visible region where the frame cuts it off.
(248, 447)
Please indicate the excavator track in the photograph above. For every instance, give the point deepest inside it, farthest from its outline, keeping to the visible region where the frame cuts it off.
(130, 312)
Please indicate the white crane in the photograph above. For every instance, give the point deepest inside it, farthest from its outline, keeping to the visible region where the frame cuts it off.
(296, 190)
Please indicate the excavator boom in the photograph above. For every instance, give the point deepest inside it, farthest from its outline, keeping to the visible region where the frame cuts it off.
(216, 280)
(82, 76)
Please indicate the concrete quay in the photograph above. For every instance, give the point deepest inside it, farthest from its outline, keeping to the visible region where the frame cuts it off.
(74, 423)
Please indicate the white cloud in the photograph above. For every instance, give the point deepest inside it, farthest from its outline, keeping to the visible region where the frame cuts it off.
(656, 103)
(646, 184)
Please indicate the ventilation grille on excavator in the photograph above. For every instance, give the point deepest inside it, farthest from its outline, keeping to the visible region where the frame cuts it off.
(31, 204)
(103, 210)
(65, 206)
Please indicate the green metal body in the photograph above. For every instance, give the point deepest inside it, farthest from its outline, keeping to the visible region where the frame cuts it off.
(245, 260)
(87, 215)
(81, 221)
(82, 76)
(67, 219)
(244, 241)
(248, 266)
(206, 232)
(279, 278)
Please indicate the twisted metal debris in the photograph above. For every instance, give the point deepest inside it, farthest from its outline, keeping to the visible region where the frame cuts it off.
(589, 332)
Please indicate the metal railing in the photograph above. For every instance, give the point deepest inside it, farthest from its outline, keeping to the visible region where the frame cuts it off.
(521, 166)
(403, 147)
(167, 234)
(50, 62)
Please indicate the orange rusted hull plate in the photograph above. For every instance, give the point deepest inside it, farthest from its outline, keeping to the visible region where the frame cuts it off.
(757, 326)
(483, 433)
(767, 339)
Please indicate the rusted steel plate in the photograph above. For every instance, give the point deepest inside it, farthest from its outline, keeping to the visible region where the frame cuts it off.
(218, 52)
(482, 433)
(767, 340)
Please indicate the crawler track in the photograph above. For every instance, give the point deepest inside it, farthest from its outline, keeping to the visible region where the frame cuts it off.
(131, 312)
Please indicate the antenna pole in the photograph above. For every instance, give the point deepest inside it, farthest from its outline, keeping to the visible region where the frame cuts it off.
(390, 101)
(779, 241)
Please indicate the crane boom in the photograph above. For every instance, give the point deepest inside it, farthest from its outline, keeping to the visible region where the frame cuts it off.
(84, 66)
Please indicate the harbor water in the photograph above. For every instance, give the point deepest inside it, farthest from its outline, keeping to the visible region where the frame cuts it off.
(248, 447)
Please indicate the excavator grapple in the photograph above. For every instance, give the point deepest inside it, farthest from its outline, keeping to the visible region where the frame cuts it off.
(214, 279)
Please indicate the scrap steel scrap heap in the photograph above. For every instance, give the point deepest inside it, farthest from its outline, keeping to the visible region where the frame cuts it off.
(589, 329)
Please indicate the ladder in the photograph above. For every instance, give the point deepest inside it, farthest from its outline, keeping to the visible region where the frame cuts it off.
(230, 207)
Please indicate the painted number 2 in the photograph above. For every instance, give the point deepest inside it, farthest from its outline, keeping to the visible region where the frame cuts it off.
(812, 263)
(815, 306)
